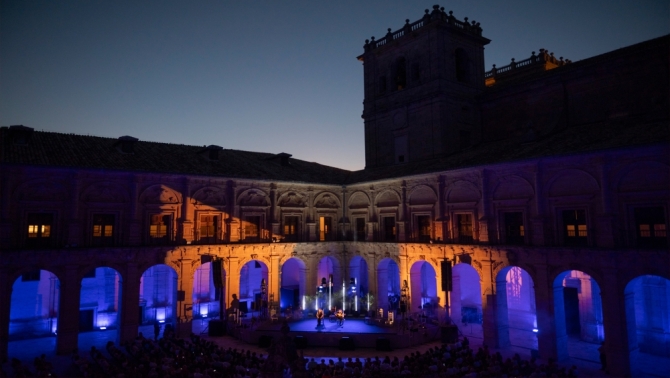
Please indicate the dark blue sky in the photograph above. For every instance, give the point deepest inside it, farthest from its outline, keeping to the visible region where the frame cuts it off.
(270, 76)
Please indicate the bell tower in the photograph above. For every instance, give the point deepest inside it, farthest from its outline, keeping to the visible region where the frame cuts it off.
(421, 83)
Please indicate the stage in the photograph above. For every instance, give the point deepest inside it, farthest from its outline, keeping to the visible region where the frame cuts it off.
(355, 333)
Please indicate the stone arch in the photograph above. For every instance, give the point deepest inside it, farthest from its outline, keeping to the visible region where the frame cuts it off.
(293, 283)
(462, 191)
(104, 191)
(466, 297)
(158, 294)
(644, 176)
(572, 182)
(516, 310)
(513, 187)
(423, 284)
(159, 194)
(388, 283)
(327, 200)
(34, 305)
(387, 198)
(422, 195)
(359, 200)
(292, 198)
(253, 197)
(210, 195)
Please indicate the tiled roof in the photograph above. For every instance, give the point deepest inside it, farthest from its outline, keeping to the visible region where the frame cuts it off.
(80, 151)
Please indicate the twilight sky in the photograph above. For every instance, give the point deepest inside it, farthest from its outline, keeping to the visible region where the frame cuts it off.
(268, 76)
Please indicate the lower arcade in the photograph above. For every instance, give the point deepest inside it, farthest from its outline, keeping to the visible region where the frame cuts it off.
(391, 296)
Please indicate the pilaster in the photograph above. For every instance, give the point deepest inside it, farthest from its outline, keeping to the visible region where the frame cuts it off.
(619, 344)
(130, 297)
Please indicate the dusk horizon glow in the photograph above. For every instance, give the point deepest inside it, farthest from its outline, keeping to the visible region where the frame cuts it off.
(256, 76)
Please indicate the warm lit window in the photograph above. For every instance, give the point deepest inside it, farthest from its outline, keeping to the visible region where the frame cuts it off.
(103, 229)
(159, 228)
(464, 228)
(575, 228)
(389, 229)
(291, 228)
(39, 230)
(514, 231)
(423, 224)
(650, 227)
(209, 227)
(252, 226)
(325, 228)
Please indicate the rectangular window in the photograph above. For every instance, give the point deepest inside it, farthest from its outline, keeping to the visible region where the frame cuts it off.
(159, 228)
(423, 225)
(514, 231)
(389, 229)
(252, 228)
(325, 228)
(574, 226)
(39, 230)
(360, 229)
(650, 227)
(464, 228)
(103, 230)
(291, 228)
(209, 228)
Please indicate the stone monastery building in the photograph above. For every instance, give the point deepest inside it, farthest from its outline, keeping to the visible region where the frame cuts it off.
(544, 184)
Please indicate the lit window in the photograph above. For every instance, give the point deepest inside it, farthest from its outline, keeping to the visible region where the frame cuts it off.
(575, 228)
(39, 230)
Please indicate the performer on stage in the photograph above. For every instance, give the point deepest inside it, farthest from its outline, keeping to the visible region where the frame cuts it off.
(319, 318)
(340, 318)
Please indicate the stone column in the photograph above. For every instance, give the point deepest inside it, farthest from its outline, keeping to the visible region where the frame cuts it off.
(486, 230)
(234, 221)
(75, 234)
(619, 343)
(495, 325)
(5, 304)
(606, 223)
(234, 277)
(185, 307)
(130, 299)
(546, 312)
(274, 278)
(537, 218)
(68, 311)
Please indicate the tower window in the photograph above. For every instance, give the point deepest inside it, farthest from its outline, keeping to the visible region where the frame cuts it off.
(401, 74)
(462, 66)
(382, 84)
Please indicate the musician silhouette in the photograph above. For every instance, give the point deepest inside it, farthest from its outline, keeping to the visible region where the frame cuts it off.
(319, 318)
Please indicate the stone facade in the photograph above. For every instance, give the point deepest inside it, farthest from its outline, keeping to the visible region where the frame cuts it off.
(561, 171)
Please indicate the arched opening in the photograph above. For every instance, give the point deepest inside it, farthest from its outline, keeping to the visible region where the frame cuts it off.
(34, 308)
(329, 285)
(359, 289)
(158, 294)
(388, 285)
(99, 306)
(292, 293)
(466, 300)
(515, 319)
(253, 286)
(423, 283)
(578, 315)
(647, 301)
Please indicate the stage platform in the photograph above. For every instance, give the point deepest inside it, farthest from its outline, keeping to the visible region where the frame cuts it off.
(355, 333)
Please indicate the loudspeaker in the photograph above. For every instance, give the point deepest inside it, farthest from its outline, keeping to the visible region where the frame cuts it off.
(346, 343)
(217, 328)
(383, 344)
(449, 334)
(265, 341)
(446, 275)
(181, 295)
(300, 342)
(216, 273)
